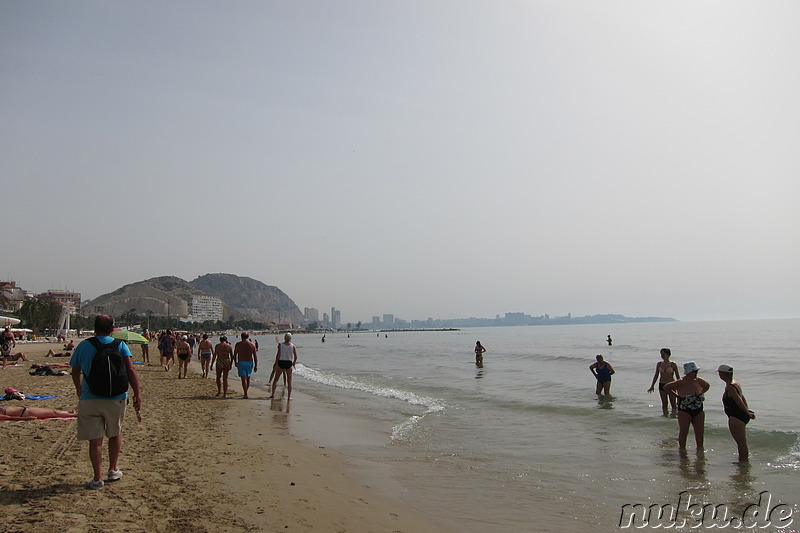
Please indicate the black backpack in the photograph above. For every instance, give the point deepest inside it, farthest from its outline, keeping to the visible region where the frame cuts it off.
(108, 376)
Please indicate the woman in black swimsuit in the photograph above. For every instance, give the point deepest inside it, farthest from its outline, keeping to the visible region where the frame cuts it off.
(689, 391)
(739, 414)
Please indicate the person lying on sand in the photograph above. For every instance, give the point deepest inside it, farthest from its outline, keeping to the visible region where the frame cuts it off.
(34, 413)
(19, 356)
(51, 353)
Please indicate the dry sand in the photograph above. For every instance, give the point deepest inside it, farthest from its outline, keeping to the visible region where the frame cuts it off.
(196, 463)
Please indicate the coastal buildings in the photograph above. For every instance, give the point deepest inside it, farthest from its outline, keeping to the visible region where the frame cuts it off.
(205, 308)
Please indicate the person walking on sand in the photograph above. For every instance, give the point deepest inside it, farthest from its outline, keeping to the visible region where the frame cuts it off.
(666, 372)
(168, 350)
(690, 392)
(246, 361)
(205, 349)
(223, 358)
(285, 358)
(184, 350)
(479, 350)
(739, 414)
(101, 416)
(146, 348)
(602, 372)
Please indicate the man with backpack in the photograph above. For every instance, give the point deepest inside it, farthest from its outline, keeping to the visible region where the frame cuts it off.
(102, 371)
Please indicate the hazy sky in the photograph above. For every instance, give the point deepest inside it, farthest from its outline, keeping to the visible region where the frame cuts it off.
(424, 158)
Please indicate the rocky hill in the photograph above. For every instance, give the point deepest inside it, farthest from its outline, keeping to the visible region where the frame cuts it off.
(242, 298)
(250, 297)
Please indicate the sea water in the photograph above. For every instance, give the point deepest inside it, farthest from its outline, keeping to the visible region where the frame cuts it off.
(524, 444)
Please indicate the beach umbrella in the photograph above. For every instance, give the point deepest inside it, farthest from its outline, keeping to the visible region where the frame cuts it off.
(130, 337)
(8, 321)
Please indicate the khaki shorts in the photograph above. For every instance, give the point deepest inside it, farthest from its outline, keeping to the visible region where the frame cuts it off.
(100, 418)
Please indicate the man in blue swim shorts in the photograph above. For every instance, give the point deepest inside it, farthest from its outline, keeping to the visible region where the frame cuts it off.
(246, 361)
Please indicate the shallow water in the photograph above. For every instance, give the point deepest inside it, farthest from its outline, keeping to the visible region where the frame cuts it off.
(523, 444)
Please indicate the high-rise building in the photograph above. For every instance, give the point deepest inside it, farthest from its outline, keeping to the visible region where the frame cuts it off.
(205, 308)
(311, 314)
(388, 321)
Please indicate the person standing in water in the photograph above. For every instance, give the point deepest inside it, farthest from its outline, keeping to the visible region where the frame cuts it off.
(479, 350)
(739, 414)
(609, 340)
(285, 359)
(666, 372)
(602, 372)
(690, 392)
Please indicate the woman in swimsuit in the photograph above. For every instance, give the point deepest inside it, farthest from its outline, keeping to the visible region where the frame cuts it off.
(184, 350)
(666, 371)
(479, 349)
(602, 371)
(689, 392)
(206, 350)
(739, 414)
(223, 355)
(167, 347)
(285, 359)
(32, 413)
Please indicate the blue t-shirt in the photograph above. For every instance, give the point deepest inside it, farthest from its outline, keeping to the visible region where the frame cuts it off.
(83, 357)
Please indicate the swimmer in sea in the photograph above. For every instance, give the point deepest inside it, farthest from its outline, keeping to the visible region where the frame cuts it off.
(602, 371)
(479, 351)
(666, 372)
(739, 414)
(690, 392)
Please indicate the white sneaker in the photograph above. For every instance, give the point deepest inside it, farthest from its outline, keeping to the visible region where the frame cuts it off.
(94, 485)
(114, 475)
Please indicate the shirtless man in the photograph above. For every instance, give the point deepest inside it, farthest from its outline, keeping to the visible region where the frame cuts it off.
(205, 350)
(223, 357)
(666, 372)
(246, 361)
(184, 350)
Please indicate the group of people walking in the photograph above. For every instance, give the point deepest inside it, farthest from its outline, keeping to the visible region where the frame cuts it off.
(223, 357)
(686, 396)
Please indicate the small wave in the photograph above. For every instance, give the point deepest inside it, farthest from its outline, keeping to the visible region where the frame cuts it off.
(431, 405)
(791, 459)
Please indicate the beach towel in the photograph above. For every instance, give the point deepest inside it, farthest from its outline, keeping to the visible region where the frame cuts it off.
(37, 397)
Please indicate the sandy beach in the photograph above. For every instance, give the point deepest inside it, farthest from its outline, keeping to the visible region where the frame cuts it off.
(195, 463)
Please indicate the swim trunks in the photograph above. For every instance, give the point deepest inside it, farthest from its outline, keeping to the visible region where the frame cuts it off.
(245, 368)
(285, 365)
(183, 356)
(206, 355)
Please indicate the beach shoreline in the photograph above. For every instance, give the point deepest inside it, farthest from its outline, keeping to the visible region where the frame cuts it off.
(195, 463)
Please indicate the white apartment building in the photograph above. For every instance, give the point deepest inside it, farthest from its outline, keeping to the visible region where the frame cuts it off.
(205, 308)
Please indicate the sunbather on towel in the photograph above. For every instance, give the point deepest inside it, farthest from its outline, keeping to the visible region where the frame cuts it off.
(34, 413)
